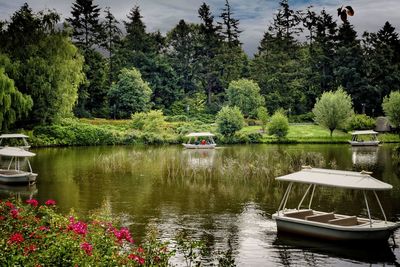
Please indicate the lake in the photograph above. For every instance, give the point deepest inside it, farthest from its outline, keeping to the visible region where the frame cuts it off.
(224, 197)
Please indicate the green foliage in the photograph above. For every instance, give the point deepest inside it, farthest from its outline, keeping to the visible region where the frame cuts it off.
(391, 107)
(37, 235)
(245, 94)
(229, 120)
(279, 124)
(333, 109)
(71, 132)
(13, 104)
(152, 121)
(130, 94)
(262, 115)
(360, 122)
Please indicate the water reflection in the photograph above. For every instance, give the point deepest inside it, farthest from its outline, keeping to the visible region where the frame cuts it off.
(316, 252)
(25, 191)
(199, 158)
(365, 157)
(224, 197)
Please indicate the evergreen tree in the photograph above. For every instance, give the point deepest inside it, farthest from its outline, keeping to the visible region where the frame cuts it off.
(87, 30)
(113, 39)
(381, 64)
(210, 43)
(229, 27)
(136, 37)
(349, 68)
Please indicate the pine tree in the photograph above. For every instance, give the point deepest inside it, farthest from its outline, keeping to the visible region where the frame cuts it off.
(113, 39)
(87, 30)
(229, 27)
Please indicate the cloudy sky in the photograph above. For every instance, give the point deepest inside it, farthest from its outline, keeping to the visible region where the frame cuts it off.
(254, 15)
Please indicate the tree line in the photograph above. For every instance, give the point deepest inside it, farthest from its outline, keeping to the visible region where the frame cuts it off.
(89, 68)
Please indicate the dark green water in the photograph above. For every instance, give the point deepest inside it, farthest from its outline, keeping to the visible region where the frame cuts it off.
(221, 195)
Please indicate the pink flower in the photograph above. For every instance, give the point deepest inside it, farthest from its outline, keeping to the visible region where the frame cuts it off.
(87, 248)
(140, 250)
(16, 238)
(50, 202)
(32, 202)
(2, 218)
(78, 227)
(136, 258)
(14, 213)
(123, 234)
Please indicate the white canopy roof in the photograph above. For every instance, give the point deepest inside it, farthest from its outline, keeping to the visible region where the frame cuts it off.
(200, 134)
(336, 178)
(364, 132)
(13, 136)
(15, 152)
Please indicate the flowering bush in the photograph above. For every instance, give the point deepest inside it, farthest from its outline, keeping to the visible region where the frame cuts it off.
(36, 235)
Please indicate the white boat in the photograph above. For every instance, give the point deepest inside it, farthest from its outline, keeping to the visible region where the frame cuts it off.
(330, 225)
(357, 140)
(20, 140)
(15, 175)
(202, 140)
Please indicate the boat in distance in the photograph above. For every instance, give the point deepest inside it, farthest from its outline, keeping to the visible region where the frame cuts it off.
(330, 225)
(206, 142)
(356, 139)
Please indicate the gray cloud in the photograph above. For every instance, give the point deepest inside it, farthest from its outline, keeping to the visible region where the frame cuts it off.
(254, 15)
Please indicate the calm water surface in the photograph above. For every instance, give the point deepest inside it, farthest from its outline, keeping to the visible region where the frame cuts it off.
(224, 197)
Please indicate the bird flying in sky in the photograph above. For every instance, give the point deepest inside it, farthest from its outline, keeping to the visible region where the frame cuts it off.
(343, 12)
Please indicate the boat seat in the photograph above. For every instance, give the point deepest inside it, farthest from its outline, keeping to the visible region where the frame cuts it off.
(348, 221)
(321, 217)
(301, 214)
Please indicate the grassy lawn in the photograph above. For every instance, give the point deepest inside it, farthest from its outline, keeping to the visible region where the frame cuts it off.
(311, 133)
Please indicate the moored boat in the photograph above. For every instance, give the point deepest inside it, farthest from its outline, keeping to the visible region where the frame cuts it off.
(14, 140)
(15, 175)
(370, 138)
(206, 142)
(330, 225)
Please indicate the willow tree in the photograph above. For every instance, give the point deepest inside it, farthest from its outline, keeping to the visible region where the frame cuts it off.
(13, 104)
(333, 109)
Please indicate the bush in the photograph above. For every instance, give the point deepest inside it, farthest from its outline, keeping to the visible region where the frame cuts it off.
(152, 121)
(35, 235)
(360, 122)
(306, 117)
(391, 107)
(176, 118)
(279, 125)
(229, 120)
(262, 115)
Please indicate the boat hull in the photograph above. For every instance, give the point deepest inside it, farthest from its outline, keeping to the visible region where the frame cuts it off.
(193, 146)
(335, 233)
(17, 177)
(364, 143)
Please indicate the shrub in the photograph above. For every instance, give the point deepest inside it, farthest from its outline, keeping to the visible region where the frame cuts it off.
(152, 121)
(279, 124)
(35, 235)
(176, 118)
(229, 120)
(360, 122)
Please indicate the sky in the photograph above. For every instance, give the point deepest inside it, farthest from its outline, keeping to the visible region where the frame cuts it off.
(254, 15)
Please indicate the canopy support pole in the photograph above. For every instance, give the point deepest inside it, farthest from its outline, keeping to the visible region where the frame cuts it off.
(29, 164)
(287, 196)
(9, 165)
(369, 214)
(284, 197)
(305, 194)
(312, 196)
(380, 206)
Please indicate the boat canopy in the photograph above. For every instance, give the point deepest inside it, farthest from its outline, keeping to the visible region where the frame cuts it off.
(336, 178)
(364, 132)
(15, 152)
(200, 134)
(14, 136)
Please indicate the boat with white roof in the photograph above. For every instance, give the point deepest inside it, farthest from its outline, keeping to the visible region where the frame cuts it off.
(206, 142)
(14, 174)
(14, 140)
(364, 138)
(330, 225)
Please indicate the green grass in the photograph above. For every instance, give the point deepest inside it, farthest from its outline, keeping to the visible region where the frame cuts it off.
(311, 133)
